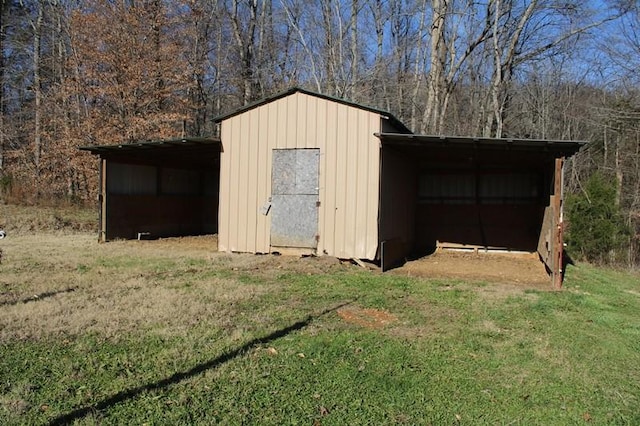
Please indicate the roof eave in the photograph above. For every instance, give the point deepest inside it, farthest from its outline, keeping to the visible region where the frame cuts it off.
(567, 147)
(142, 145)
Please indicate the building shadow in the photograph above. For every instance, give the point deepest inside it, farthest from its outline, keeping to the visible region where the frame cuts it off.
(79, 413)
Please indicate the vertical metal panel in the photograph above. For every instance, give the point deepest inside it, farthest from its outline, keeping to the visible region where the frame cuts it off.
(317, 136)
(351, 172)
(339, 234)
(262, 225)
(234, 204)
(556, 268)
(243, 178)
(131, 179)
(328, 181)
(349, 160)
(179, 181)
(398, 194)
(253, 128)
(291, 137)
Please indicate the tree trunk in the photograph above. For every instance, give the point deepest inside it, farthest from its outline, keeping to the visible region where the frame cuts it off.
(37, 86)
(329, 48)
(354, 48)
(619, 172)
(437, 60)
(418, 68)
(245, 42)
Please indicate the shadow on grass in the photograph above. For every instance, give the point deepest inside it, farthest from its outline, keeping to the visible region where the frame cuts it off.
(198, 369)
(38, 297)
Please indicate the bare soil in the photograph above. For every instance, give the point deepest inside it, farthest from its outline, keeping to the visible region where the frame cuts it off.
(369, 318)
(519, 269)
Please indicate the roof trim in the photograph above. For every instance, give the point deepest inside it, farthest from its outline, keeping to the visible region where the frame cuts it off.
(146, 145)
(566, 147)
(293, 90)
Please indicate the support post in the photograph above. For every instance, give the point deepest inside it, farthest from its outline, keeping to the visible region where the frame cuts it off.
(558, 240)
(102, 197)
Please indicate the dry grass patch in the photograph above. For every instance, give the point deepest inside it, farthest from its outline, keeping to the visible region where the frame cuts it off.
(26, 220)
(113, 288)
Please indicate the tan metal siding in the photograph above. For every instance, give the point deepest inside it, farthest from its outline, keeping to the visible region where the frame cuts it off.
(349, 173)
(263, 185)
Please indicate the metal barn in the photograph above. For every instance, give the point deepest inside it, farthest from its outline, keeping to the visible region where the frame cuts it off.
(302, 172)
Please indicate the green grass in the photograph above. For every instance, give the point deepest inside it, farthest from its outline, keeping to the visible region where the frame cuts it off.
(278, 353)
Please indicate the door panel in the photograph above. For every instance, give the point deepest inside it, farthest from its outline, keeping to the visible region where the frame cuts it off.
(294, 182)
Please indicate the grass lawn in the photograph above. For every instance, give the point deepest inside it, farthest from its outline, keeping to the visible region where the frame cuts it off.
(152, 333)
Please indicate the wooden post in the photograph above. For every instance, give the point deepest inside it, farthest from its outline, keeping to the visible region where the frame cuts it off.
(558, 241)
(102, 236)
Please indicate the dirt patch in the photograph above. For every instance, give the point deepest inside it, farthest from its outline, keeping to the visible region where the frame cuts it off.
(521, 269)
(206, 246)
(369, 318)
(269, 264)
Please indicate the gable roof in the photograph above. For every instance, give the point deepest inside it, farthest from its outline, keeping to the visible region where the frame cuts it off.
(396, 123)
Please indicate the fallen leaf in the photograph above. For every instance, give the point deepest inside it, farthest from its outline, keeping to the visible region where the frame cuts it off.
(587, 417)
(300, 355)
(323, 411)
(272, 351)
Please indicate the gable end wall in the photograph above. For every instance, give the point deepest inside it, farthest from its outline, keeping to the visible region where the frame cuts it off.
(349, 173)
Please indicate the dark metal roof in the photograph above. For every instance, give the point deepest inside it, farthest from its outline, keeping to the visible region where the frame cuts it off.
(150, 145)
(563, 147)
(397, 123)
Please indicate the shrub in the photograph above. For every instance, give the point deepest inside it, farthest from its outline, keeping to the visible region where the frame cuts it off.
(597, 231)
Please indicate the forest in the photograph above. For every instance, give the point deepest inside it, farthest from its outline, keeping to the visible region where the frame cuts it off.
(86, 72)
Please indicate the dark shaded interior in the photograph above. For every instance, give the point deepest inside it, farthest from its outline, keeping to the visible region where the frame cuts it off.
(487, 198)
(483, 193)
(160, 189)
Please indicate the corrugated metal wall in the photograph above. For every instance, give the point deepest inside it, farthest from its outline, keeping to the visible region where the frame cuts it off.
(162, 201)
(398, 196)
(349, 173)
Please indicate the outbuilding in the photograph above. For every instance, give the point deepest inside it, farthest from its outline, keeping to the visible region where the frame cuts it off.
(305, 173)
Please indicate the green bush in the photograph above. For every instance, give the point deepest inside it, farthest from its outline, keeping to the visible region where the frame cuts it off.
(597, 231)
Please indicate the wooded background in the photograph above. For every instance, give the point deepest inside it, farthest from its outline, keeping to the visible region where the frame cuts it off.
(86, 72)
